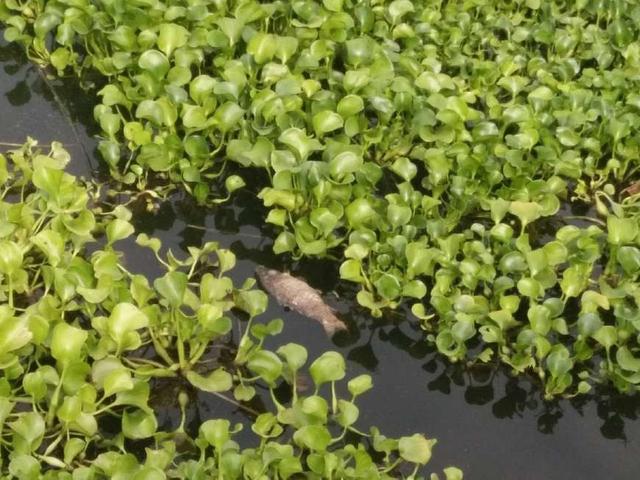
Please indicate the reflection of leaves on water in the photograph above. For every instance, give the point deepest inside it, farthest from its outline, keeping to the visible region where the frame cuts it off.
(11, 69)
(442, 384)
(480, 395)
(484, 385)
(613, 409)
(613, 428)
(149, 221)
(14, 54)
(513, 402)
(520, 396)
(20, 94)
(364, 356)
(385, 329)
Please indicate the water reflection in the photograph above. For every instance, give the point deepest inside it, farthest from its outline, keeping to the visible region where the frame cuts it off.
(20, 94)
(46, 109)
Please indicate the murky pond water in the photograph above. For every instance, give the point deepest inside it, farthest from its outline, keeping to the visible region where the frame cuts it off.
(491, 425)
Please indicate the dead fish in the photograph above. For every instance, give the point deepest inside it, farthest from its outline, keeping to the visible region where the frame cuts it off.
(632, 189)
(297, 295)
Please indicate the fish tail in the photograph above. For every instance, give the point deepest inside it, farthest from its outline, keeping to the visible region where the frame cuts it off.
(331, 322)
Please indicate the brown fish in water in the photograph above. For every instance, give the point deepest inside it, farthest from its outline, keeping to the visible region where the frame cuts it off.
(297, 295)
(632, 189)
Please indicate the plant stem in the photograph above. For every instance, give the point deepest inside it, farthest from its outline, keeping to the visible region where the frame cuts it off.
(198, 353)
(160, 350)
(55, 399)
(181, 357)
(237, 404)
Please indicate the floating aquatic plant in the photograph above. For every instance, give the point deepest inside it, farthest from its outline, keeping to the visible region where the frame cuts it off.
(425, 145)
(82, 340)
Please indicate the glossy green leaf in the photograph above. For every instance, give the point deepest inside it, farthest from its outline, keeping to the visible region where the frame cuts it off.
(67, 342)
(217, 381)
(171, 36)
(154, 62)
(415, 449)
(172, 286)
(328, 367)
(138, 424)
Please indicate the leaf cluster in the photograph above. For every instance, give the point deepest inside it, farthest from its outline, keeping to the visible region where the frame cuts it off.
(424, 144)
(82, 340)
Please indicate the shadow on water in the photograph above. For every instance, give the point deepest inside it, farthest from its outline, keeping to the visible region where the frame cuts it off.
(48, 110)
(493, 425)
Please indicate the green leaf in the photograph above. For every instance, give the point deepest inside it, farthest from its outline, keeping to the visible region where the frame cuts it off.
(30, 427)
(244, 393)
(299, 142)
(67, 342)
(216, 432)
(284, 242)
(388, 286)
(530, 287)
(360, 212)
(629, 259)
(360, 384)
(607, 336)
(172, 286)
(398, 215)
(348, 413)
(233, 183)
(559, 361)
(154, 62)
(172, 36)
(217, 381)
(267, 365)
(350, 105)
(312, 437)
(125, 318)
(262, 46)
(226, 260)
(14, 333)
(254, 302)
(119, 380)
(453, 473)
(11, 257)
(228, 115)
(328, 367)
(345, 163)
(295, 355)
(627, 361)
(527, 212)
(351, 270)
(118, 229)
(326, 121)
(138, 424)
(404, 168)
(415, 449)
(621, 231)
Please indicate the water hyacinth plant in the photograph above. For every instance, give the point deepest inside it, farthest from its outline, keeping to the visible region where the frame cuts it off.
(83, 340)
(428, 146)
(422, 143)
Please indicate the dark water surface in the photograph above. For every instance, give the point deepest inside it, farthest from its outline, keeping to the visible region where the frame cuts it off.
(491, 425)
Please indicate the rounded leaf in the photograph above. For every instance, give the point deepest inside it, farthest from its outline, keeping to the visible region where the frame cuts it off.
(67, 342)
(329, 367)
(326, 121)
(139, 424)
(154, 62)
(415, 449)
(267, 365)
